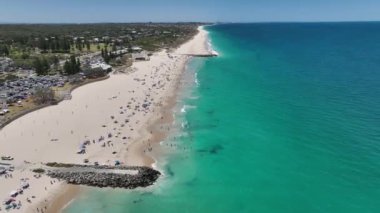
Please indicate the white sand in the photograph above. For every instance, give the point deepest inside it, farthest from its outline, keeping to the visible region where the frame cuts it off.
(199, 45)
(54, 134)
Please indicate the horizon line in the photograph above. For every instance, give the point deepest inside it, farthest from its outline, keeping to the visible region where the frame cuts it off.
(192, 22)
(189, 22)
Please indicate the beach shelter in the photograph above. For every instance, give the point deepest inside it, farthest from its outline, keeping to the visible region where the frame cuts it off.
(8, 201)
(13, 193)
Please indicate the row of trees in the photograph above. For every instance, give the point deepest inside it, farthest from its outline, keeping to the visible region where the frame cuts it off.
(106, 55)
(72, 66)
(62, 45)
(55, 45)
(42, 65)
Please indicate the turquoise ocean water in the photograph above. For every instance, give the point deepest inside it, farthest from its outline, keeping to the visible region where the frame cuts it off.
(287, 119)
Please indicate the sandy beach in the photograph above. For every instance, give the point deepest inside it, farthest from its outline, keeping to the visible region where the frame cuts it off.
(110, 120)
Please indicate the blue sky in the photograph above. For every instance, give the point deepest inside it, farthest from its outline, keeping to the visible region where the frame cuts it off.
(80, 11)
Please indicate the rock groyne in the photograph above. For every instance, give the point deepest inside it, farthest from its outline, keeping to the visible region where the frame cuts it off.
(106, 176)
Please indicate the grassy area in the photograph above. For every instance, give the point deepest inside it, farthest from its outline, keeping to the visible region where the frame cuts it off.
(93, 49)
(150, 44)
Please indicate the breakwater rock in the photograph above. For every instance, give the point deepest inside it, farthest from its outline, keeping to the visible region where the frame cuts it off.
(105, 176)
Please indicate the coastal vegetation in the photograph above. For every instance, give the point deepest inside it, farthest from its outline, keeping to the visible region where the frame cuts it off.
(39, 170)
(45, 47)
(73, 38)
(4, 50)
(72, 66)
(44, 95)
(41, 66)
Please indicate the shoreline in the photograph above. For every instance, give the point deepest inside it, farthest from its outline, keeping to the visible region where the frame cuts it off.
(154, 135)
(165, 117)
(165, 69)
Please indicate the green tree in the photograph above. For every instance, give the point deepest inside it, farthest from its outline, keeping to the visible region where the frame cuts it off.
(43, 44)
(25, 55)
(45, 65)
(55, 60)
(67, 67)
(79, 46)
(40, 66)
(106, 55)
(77, 66)
(65, 45)
(72, 66)
(6, 50)
(43, 95)
(88, 46)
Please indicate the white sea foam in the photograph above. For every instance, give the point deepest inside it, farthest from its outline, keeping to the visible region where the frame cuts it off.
(210, 48)
(185, 107)
(196, 79)
(183, 125)
(193, 97)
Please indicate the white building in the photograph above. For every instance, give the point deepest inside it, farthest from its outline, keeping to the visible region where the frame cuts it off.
(102, 66)
(136, 49)
(120, 52)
